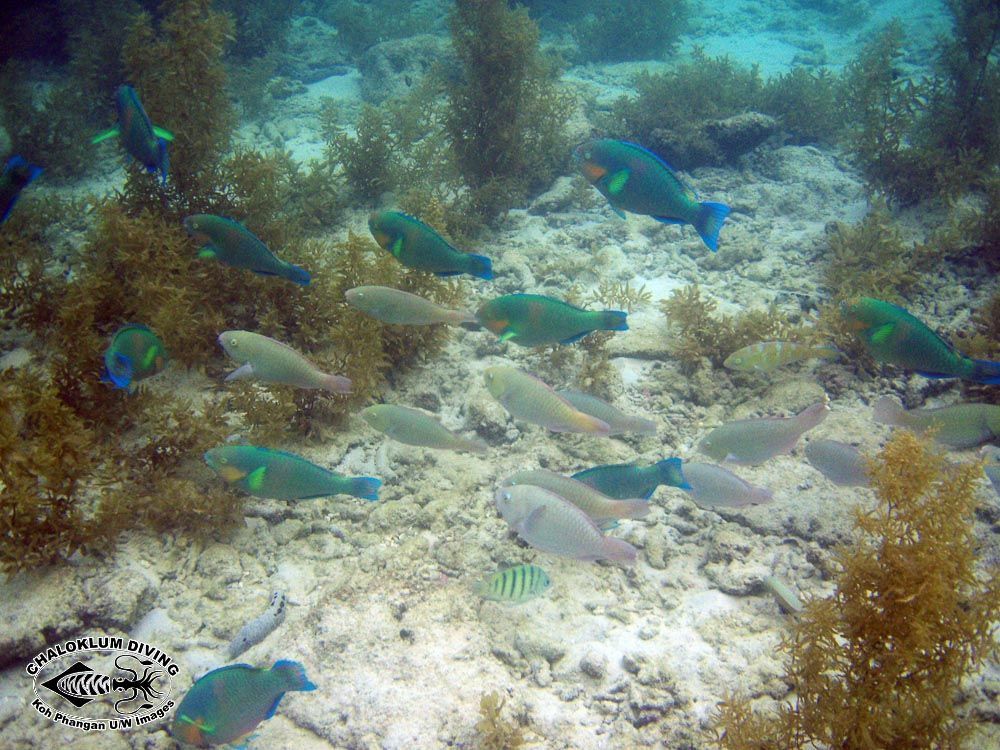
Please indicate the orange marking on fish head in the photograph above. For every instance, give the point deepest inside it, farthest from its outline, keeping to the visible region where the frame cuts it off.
(383, 239)
(497, 326)
(593, 172)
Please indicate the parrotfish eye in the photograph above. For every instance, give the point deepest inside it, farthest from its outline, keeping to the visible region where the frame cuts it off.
(233, 342)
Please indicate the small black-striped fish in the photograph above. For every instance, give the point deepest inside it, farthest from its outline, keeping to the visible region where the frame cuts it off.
(517, 584)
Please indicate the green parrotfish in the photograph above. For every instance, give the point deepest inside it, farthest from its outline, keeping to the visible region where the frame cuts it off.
(517, 584)
(416, 245)
(230, 242)
(527, 398)
(271, 361)
(635, 179)
(768, 356)
(537, 320)
(958, 425)
(276, 475)
(17, 175)
(135, 353)
(620, 422)
(414, 427)
(230, 702)
(622, 481)
(144, 142)
(892, 335)
(402, 308)
(754, 441)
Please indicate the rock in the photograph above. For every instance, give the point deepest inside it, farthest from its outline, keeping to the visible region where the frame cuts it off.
(314, 51)
(390, 69)
(730, 562)
(562, 196)
(594, 665)
(735, 136)
(487, 418)
(41, 617)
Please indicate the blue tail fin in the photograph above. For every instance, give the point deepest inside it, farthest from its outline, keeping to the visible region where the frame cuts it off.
(709, 222)
(986, 372)
(614, 320)
(366, 487)
(297, 274)
(480, 266)
(294, 673)
(671, 473)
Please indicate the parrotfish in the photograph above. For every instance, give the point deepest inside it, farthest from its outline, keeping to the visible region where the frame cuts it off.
(712, 486)
(135, 353)
(414, 427)
(17, 175)
(537, 320)
(402, 308)
(260, 627)
(551, 524)
(892, 335)
(635, 179)
(959, 425)
(230, 702)
(230, 242)
(839, 462)
(622, 481)
(768, 356)
(602, 510)
(516, 585)
(753, 441)
(144, 142)
(271, 361)
(620, 422)
(276, 475)
(527, 398)
(416, 245)
(787, 599)
(991, 465)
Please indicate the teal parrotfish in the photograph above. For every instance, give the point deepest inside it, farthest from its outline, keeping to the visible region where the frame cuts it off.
(894, 336)
(144, 141)
(17, 175)
(135, 353)
(416, 245)
(517, 584)
(277, 475)
(537, 320)
(230, 242)
(230, 702)
(272, 361)
(635, 179)
(622, 481)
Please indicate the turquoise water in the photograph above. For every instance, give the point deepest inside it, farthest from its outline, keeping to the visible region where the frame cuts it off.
(543, 231)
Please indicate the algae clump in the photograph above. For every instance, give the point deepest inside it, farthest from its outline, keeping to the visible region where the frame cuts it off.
(878, 663)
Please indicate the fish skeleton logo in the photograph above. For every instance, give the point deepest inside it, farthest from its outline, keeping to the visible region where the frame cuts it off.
(123, 692)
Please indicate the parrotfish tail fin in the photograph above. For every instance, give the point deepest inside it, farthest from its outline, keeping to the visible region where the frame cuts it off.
(672, 474)
(888, 410)
(614, 320)
(294, 674)
(709, 222)
(985, 371)
(109, 133)
(462, 318)
(480, 266)
(475, 445)
(123, 379)
(337, 384)
(365, 488)
(298, 274)
(19, 162)
(634, 508)
(760, 495)
(618, 550)
(164, 161)
(813, 415)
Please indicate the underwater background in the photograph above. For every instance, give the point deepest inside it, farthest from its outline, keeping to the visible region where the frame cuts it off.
(733, 265)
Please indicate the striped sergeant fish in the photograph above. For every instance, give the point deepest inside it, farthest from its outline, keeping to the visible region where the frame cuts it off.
(516, 584)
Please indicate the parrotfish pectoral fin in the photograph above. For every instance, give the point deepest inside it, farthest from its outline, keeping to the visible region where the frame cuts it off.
(533, 518)
(164, 160)
(396, 248)
(242, 372)
(617, 181)
(109, 133)
(709, 222)
(163, 133)
(208, 252)
(255, 479)
(508, 334)
(881, 333)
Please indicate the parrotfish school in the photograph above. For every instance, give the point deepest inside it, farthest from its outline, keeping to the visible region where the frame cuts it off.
(135, 353)
(416, 245)
(635, 179)
(536, 320)
(230, 702)
(524, 372)
(231, 243)
(141, 139)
